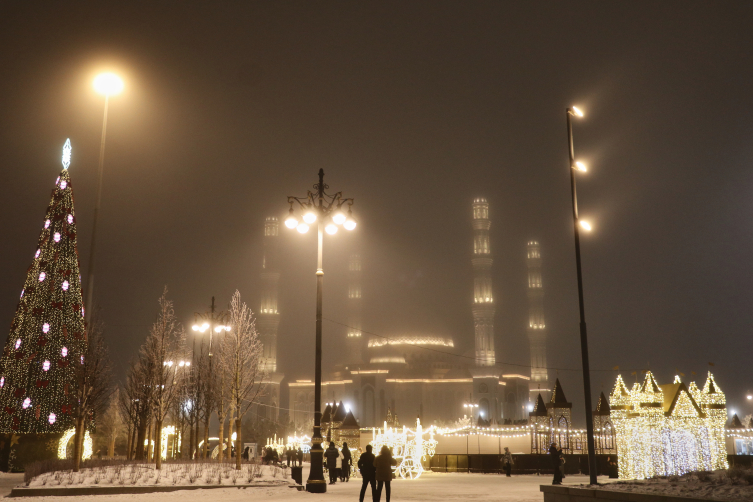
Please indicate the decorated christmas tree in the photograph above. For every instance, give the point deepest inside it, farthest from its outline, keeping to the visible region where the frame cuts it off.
(47, 336)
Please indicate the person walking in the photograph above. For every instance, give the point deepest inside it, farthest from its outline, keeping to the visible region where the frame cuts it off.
(562, 463)
(507, 461)
(288, 454)
(366, 467)
(556, 462)
(347, 463)
(383, 465)
(300, 457)
(331, 454)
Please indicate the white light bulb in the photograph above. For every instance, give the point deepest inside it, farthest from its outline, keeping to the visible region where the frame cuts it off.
(331, 229)
(291, 222)
(585, 225)
(302, 228)
(581, 166)
(350, 224)
(577, 111)
(309, 217)
(108, 84)
(339, 218)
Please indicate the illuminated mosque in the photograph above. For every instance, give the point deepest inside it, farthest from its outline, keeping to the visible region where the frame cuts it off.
(397, 374)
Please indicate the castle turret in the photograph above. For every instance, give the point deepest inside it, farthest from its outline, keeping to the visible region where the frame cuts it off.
(354, 339)
(536, 323)
(483, 301)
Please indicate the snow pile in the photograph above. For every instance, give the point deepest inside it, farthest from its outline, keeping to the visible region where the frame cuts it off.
(735, 484)
(171, 474)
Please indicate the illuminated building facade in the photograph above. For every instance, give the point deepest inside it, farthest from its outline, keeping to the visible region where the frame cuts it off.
(668, 429)
(268, 319)
(418, 375)
(536, 328)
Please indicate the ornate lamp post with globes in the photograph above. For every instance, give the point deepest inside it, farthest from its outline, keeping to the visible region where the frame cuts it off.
(327, 211)
(577, 225)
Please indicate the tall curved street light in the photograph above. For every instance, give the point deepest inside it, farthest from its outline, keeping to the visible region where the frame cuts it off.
(327, 211)
(108, 84)
(577, 225)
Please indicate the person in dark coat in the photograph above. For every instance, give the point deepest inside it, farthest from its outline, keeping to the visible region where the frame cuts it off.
(331, 454)
(347, 463)
(556, 462)
(507, 461)
(383, 465)
(368, 472)
(300, 457)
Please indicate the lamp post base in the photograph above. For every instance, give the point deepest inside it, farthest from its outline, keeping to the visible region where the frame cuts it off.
(316, 486)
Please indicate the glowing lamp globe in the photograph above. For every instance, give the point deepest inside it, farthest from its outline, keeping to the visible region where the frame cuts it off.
(302, 228)
(291, 221)
(331, 228)
(339, 218)
(309, 217)
(108, 84)
(350, 224)
(585, 225)
(577, 111)
(581, 167)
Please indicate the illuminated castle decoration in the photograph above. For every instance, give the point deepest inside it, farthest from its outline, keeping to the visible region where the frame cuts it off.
(47, 337)
(604, 434)
(268, 321)
(553, 422)
(354, 340)
(339, 425)
(418, 373)
(536, 328)
(392, 420)
(671, 429)
(483, 300)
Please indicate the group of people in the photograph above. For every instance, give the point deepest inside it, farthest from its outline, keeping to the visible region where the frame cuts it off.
(375, 471)
(338, 465)
(270, 456)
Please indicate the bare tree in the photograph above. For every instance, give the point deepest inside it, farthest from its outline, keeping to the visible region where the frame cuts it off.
(94, 386)
(112, 423)
(164, 347)
(241, 360)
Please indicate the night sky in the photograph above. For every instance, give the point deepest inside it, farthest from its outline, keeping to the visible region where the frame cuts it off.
(414, 109)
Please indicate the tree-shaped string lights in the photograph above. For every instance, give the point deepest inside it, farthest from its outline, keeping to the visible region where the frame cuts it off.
(46, 338)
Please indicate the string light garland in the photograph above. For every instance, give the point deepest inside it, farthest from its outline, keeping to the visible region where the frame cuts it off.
(665, 430)
(37, 384)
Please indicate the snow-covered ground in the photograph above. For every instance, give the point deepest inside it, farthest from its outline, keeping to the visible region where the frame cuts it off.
(430, 486)
(171, 474)
(716, 486)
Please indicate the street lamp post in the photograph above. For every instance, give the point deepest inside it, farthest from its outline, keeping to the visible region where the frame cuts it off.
(211, 326)
(327, 211)
(577, 224)
(108, 84)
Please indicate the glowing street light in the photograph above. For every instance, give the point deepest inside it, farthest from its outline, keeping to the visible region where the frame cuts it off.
(108, 84)
(577, 223)
(585, 225)
(320, 206)
(580, 166)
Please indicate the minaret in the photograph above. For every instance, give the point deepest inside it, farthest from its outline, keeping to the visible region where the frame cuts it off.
(354, 340)
(268, 318)
(483, 302)
(536, 323)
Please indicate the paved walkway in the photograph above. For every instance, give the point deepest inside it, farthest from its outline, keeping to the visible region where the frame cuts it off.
(8, 481)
